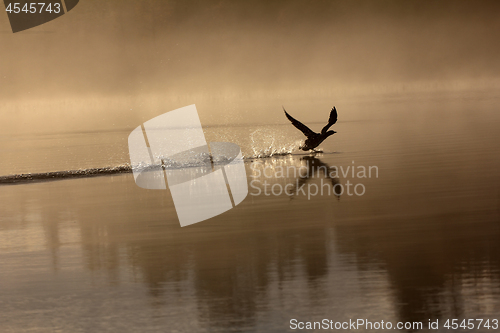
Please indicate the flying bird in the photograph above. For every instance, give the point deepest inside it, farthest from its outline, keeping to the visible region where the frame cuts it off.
(314, 139)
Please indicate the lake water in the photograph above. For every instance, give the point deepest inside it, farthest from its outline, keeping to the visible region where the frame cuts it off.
(99, 254)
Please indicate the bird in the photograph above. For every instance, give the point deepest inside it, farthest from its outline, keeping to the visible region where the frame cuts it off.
(314, 139)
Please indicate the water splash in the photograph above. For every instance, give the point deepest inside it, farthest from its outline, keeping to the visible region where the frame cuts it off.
(274, 151)
(266, 145)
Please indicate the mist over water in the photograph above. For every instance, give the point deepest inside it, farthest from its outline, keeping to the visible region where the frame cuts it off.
(117, 63)
(417, 89)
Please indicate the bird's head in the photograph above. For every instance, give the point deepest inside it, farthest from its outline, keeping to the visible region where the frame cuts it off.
(330, 133)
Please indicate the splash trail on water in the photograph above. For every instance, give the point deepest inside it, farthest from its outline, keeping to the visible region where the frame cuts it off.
(27, 178)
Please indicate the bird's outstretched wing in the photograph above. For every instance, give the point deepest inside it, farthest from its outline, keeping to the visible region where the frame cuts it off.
(303, 128)
(331, 121)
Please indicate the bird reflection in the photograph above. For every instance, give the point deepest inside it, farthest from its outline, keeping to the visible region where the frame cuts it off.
(315, 167)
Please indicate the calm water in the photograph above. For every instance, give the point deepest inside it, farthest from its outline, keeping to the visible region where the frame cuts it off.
(423, 242)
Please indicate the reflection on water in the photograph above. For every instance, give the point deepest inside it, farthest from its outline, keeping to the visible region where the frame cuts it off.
(290, 174)
(315, 167)
(101, 254)
(248, 262)
(444, 267)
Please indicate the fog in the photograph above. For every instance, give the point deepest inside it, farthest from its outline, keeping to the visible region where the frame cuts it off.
(115, 63)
